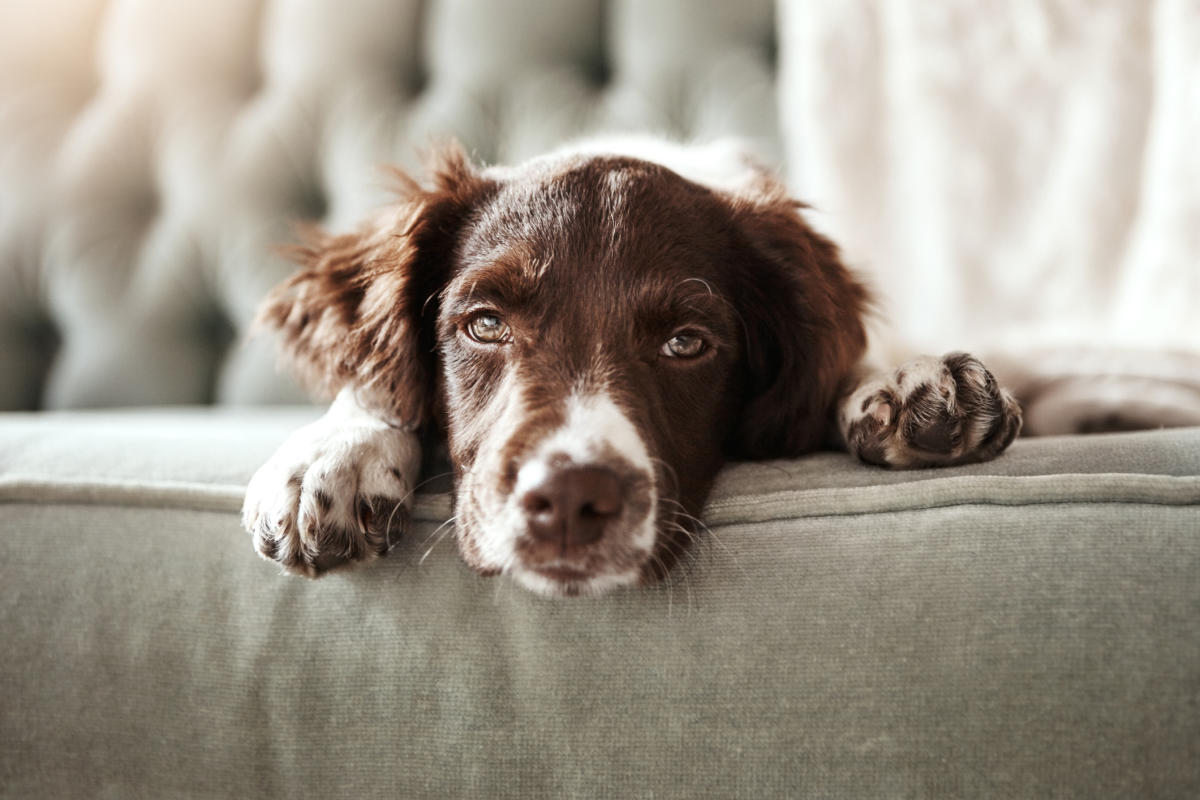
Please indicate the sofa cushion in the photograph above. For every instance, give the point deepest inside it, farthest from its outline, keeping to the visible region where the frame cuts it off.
(1025, 627)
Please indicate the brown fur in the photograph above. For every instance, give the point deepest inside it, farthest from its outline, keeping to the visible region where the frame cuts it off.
(595, 264)
(353, 314)
(804, 320)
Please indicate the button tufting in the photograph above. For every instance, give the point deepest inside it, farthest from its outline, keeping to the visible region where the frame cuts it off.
(311, 204)
(599, 71)
(771, 50)
(209, 128)
(217, 330)
(597, 62)
(412, 72)
(414, 81)
(44, 335)
(30, 360)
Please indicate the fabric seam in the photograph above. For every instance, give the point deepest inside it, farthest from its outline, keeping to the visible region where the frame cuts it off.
(1151, 490)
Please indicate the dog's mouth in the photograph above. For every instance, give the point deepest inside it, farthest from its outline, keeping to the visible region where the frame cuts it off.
(551, 568)
(563, 582)
(564, 575)
(504, 541)
(567, 581)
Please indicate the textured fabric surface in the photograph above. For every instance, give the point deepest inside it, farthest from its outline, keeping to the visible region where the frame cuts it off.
(201, 458)
(152, 155)
(1024, 628)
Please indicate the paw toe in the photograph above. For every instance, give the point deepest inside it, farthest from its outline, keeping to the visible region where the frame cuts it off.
(931, 412)
(939, 435)
(930, 423)
(329, 498)
(870, 434)
(265, 544)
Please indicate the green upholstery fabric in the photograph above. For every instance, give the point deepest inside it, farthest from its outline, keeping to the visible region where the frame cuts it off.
(1024, 628)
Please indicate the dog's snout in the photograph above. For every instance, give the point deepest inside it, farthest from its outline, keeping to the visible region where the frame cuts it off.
(573, 505)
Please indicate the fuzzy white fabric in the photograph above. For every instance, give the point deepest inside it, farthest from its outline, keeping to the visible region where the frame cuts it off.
(1012, 176)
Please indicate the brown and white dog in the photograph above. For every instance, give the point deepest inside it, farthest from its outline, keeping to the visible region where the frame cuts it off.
(594, 332)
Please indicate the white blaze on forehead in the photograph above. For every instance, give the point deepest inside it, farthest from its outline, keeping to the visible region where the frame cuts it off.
(594, 426)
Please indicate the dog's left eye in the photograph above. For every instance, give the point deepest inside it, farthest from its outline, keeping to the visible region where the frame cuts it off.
(488, 328)
(683, 345)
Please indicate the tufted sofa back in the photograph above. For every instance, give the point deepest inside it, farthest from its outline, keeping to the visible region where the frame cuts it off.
(153, 154)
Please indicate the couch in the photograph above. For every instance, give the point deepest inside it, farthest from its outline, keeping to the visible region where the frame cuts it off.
(1029, 627)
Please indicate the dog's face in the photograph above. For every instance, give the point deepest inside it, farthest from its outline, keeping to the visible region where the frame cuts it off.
(589, 359)
(596, 335)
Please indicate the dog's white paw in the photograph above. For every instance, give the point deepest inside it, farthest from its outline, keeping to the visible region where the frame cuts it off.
(930, 412)
(336, 492)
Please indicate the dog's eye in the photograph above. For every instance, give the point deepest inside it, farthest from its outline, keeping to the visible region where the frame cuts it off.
(683, 345)
(488, 328)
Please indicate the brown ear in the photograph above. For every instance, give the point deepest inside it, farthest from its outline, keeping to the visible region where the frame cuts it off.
(358, 313)
(803, 312)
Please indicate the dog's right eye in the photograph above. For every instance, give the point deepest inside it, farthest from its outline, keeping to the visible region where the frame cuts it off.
(683, 345)
(488, 328)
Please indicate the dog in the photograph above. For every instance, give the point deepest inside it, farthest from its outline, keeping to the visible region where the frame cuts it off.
(594, 333)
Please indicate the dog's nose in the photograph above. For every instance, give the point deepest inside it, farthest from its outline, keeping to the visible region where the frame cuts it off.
(573, 505)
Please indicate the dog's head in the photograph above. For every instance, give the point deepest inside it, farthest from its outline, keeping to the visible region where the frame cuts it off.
(596, 334)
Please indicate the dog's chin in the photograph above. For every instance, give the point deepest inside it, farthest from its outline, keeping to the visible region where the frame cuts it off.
(554, 581)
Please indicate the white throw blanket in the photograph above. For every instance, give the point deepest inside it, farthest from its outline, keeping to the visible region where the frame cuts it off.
(1013, 177)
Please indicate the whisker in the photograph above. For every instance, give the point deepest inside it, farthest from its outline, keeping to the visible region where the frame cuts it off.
(669, 470)
(430, 479)
(503, 582)
(683, 576)
(387, 527)
(399, 506)
(428, 300)
(666, 582)
(444, 529)
(702, 533)
(775, 465)
(726, 301)
(680, 574)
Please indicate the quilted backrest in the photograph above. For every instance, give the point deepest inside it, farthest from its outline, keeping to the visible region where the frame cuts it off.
(152, 154)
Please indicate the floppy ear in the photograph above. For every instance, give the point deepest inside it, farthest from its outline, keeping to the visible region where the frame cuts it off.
(803, 312)
(357, 313)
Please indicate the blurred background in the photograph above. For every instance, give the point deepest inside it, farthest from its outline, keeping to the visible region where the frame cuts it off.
(1014, 178)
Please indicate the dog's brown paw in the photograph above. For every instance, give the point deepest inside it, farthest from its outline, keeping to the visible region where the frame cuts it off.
(331, 496)
(930, 412)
